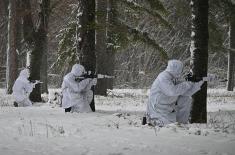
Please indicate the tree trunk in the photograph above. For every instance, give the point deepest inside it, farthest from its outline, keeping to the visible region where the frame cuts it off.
(44, 68)
(101, 52)
(231, 54)
(86, 33)
(35, 65)
(36, 41)
(28, 29)
(19, 36)
(44, 65)
(86, 43)
(12, 61)
(199, 55)
(110, 49)
(5, 3)
(40, 49)
(3, 41)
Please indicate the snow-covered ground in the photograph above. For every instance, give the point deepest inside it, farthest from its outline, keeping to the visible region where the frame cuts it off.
(114, 129)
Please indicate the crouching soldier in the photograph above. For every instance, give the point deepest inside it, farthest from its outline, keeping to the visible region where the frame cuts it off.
(22, 88)
(169, 100)
(77, 93)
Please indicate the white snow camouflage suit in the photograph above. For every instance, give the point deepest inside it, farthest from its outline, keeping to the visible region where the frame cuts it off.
(77, 95)
(22, 88)
(168, 101)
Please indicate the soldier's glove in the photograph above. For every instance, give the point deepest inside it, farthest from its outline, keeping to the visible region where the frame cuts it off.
(94, 81)
(37, 82)
(199, 84)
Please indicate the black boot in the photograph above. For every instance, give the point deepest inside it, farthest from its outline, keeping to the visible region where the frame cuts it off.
(68, 109)
(15, 104)
(144, 121)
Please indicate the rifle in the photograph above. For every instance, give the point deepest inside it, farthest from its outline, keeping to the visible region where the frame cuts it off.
(92, 75)
(34, 81)
(190, 77)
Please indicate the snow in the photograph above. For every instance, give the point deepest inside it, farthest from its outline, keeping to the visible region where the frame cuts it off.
(220, 99)
(192, 46)
(192, 34)
(114, 129)
(193, 16)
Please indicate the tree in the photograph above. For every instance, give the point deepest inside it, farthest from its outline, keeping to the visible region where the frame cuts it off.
(86, 37)
(224, 11)
(119, 33)
(128, 26)
(231, 53)
(105, 53)
(44, 66)
(111, 20)
(36, 40)
(44, 70)
(101, 48)
(134, 24)
(3, 40)
(221, 22)
(199, 57)
(12, 61)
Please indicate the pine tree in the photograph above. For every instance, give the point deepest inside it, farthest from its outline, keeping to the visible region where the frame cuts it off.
(101, 50)
(118, 34)
(12, 61)
(111, 18)
(44, 70)
(105, 53)
(199, 56)
(128, 27)
(3, 40)
(221, 14)
(231, 53)
(86, 37)
(36, 40)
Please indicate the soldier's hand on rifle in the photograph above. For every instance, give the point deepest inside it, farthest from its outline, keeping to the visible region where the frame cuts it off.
(37, 82)
(199, 84)
(94, 81)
